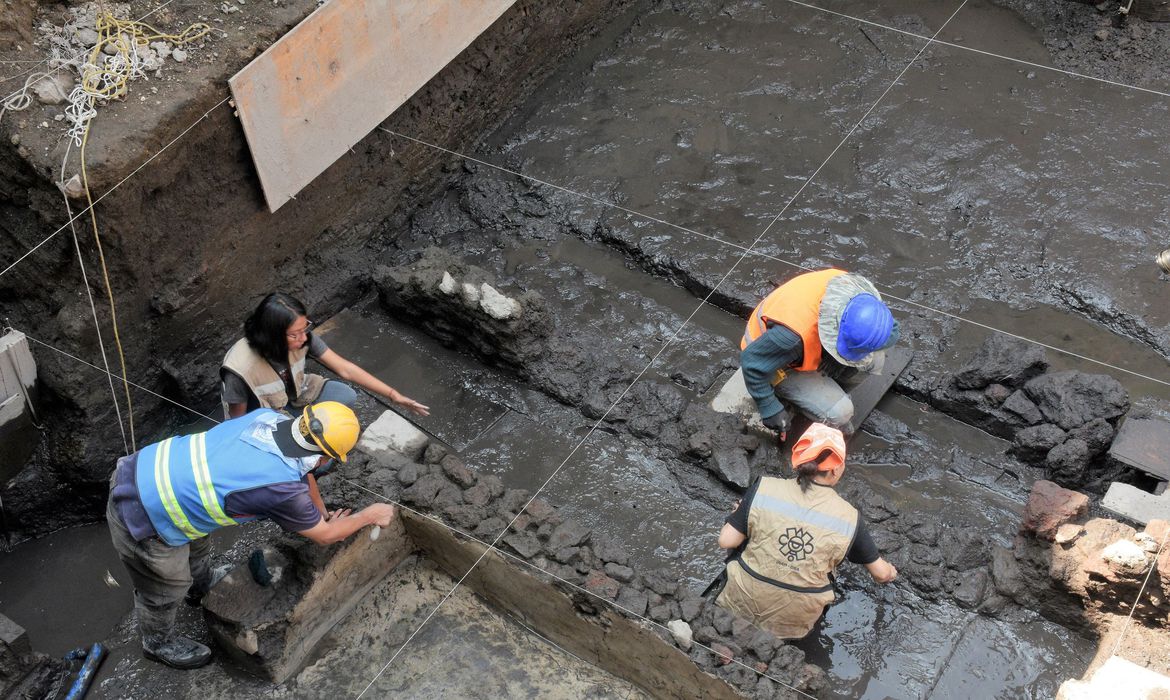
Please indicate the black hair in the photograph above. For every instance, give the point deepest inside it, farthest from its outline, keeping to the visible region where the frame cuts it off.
(267, 327)
(805, 472)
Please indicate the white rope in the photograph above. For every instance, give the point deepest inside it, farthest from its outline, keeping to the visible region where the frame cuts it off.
(142, 165)
(654, 359)
(981, 51)
(113, 375)
(97, 326)
(1141, 591)
(492, 547)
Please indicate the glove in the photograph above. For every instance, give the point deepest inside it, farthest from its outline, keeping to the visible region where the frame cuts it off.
(779, 422)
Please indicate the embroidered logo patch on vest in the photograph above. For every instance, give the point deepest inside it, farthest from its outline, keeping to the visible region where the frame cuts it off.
(796, 544)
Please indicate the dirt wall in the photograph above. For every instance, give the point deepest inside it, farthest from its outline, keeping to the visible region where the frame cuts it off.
(191, 246)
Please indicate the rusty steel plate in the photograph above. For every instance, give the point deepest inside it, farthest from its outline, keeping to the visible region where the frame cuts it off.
(339, 74)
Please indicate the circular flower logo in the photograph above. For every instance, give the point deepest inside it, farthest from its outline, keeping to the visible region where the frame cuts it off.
(796, 544)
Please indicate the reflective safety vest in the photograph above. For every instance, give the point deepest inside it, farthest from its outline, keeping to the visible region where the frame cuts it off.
(797, 305)
(780, 580)
(265, 383)
(183, 482)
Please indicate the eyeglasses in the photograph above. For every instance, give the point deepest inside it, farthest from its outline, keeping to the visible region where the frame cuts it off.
(301, 333)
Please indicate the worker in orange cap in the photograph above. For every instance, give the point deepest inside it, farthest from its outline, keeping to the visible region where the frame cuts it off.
(789, 534)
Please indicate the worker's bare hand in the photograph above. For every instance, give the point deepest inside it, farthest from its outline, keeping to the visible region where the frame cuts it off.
(735, 506)
(893, 574)
(381, 514)
(413, 406)
(339, 514)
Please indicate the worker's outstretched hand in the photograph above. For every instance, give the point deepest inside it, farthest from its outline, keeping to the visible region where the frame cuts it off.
(339, 514)
(381, 514)
(413, 406)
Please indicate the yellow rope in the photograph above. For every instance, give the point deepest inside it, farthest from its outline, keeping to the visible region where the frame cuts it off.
(126, 36)
(108, 81)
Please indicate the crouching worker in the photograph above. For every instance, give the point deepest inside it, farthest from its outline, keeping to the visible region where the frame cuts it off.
(809, 332)
(793, 533)
(166, 498)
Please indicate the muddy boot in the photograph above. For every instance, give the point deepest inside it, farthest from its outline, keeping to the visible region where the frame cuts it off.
(175, 651)
(205, 583)
(159, 641)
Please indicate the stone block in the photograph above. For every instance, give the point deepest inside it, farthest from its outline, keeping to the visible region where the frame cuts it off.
(1134, 504)
(273, 630)
(1049, 507)
(682, 634)
(391, 433)
(734, 398)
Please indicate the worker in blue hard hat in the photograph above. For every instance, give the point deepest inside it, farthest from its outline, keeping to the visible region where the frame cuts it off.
(809, 331)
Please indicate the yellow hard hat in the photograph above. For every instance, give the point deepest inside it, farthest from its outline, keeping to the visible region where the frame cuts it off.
(821, 444)
(333, 426)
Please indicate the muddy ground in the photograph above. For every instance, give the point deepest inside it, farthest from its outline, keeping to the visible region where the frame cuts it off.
(986, 188)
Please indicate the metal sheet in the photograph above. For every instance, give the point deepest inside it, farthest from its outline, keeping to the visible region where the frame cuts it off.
(326, 84)
(1144, 443)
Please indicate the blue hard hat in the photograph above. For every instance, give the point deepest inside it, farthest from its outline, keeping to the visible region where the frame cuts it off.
(866, 325)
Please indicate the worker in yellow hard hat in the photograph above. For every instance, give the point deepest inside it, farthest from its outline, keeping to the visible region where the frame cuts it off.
(167, 497)
(789, 535)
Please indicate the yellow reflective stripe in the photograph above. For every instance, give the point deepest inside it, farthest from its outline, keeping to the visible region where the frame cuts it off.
(203, 481)
(166, 492)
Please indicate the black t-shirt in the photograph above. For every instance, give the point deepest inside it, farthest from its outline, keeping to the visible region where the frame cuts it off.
(861, 551)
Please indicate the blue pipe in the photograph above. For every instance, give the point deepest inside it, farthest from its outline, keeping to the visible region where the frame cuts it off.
(93, 660)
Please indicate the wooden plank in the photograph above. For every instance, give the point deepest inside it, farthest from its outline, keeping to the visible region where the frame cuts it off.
(325, 85)
(870, 388)
(1144, 444)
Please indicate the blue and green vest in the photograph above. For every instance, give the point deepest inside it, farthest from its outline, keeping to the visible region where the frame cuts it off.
(183, 481)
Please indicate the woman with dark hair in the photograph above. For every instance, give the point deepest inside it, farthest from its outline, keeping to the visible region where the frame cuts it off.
(266, 368)
(789, 535)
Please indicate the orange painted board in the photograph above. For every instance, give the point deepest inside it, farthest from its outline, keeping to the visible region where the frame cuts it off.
(340, 73)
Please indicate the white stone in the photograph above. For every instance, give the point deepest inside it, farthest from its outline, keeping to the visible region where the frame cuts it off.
(682, 633)
(1068, 532)
(53, 90)
(1146, 541)
(1117, 678)
(179, 55)
(393, 433)
(87, 37)
(448, 285)
(497, 305)
(1126, 555)
(162, 48)
(470, 294)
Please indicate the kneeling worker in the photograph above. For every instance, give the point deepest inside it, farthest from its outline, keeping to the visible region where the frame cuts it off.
(793, 533)
(167, 497)
(814, 327)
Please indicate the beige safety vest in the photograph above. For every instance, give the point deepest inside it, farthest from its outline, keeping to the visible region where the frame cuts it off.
(780, 580)
(263, 380)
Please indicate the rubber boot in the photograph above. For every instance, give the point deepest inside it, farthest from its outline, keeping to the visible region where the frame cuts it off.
(175, 651)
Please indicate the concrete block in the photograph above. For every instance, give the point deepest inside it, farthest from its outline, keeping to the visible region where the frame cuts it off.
(273, 630)
(1134, 504)
(734, 398)
(393, 433)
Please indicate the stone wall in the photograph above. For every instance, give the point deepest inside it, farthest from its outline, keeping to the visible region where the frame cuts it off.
(1063, 421)
(594, 572)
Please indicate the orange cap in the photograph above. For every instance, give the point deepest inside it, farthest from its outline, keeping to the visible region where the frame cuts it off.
(817, 439)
